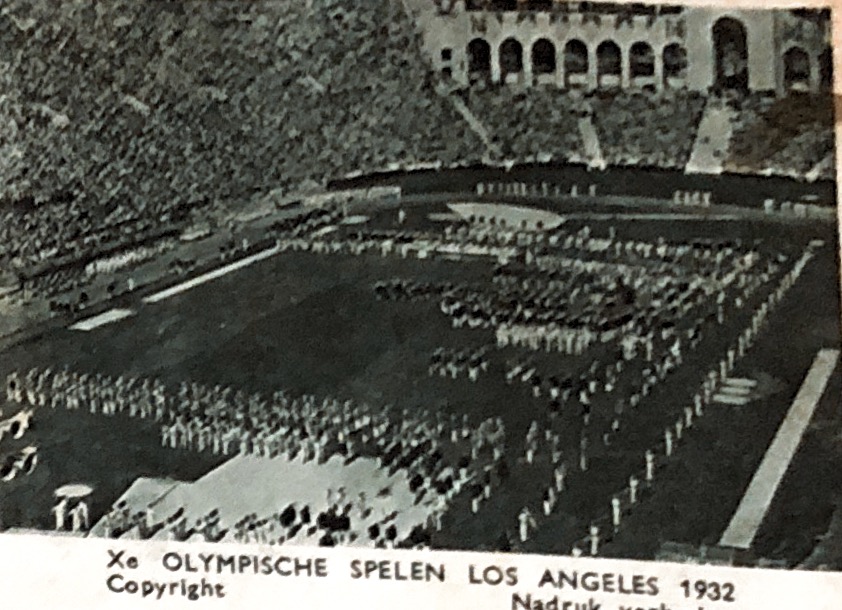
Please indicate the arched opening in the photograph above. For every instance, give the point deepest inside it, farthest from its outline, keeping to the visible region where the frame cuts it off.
(543, 57)
(675, 64)
(609, 64)
(731, 48)
(511, 58)
(641, 61)
(826, 69)
(575, 63)
(796, 70)
(479, 60)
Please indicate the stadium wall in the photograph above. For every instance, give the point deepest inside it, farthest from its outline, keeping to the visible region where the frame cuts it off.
(674, 50)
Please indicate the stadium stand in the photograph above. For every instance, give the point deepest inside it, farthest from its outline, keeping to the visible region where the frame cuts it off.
(124, 121)
(545, 119)
(647, 129)
(797, 134)
(211, 102)
(140, 133)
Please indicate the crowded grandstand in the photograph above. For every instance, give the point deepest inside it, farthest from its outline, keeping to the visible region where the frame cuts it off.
(427, 274)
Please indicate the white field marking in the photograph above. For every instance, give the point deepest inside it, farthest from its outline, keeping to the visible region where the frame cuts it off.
(758, 497)
(324, 231)
(443, 217)
(107, 317)
(649, 216)
(735, 390)
(741, 382)
(514, 215)
(210, 275)
(354, 220)
(730, 399)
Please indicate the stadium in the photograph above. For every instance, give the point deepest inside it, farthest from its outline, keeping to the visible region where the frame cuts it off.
(536, 277)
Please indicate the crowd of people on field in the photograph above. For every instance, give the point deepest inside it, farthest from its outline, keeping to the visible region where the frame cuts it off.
(604, 528)
(470, 362)
(642, 307)
(441, 454)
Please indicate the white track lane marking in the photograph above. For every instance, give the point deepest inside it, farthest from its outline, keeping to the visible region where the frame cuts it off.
(112, 315)
(666, 216)
(210, 275)
(758, 497)
(740, 382)
(730, 399)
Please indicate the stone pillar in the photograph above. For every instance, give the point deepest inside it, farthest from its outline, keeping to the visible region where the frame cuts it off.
(659, 70)
(495, 62)
(593, 77)
(559, 66)
(699, 46)
(625, 68)
(762, 54)
(526, 62)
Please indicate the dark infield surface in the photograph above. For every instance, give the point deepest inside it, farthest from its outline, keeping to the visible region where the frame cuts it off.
(310, 323)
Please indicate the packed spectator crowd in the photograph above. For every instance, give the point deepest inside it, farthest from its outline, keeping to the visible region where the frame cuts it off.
(119, 115)
(163, 106)
(786, 137)
(647, 129)
(538, 124)
(120, 118)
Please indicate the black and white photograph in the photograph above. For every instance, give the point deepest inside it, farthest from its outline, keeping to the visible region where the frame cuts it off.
(514, 276)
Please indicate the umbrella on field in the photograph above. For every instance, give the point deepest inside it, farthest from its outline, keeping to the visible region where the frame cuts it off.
(73, 490)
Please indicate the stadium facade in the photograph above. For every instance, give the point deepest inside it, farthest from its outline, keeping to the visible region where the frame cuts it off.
(595, 46)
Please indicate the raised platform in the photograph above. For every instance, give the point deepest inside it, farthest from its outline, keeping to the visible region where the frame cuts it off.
(272, 484)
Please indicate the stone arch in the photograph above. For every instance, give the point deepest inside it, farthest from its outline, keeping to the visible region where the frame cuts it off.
(479, 59)
(575, 63)
(511, 57)
(730, 43)
(675, 63)
(543, 57)
(609, 64)
(796, 69)
(641, 60)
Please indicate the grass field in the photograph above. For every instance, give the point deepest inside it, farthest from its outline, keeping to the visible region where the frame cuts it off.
(310, 323)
